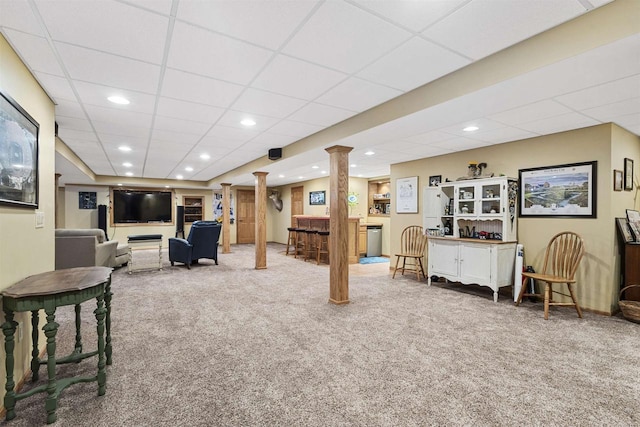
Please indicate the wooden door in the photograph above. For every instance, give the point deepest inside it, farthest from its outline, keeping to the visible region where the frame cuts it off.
(246, 216)
(297, 203)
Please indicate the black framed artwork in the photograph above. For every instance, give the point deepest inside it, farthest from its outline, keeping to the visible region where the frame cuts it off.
(435, 180)
(18, 155)
(317, 198)
(87, 200)
(559, 191)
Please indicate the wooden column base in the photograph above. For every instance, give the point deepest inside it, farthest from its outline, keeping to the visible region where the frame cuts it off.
(332, 301)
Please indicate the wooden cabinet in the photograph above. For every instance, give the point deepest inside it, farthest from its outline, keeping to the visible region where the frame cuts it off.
(362, 240)
(472, 261)
(193, 208)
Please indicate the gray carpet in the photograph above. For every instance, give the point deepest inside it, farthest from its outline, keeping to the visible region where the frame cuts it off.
(228, 345)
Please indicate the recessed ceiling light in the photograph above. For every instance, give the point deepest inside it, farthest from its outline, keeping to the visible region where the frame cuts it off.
(353, 165)
(119, 100)
(248, 122)
(370, 153)
(359, 175)
(471, 128)
(280, 176)
(124, 148)
(301, 177)
(189, 169)
(127, 164)
(167, 186)
(315, 167)
(323, 172)
(120, 185)
(179, 177)
(129, 173)
(205, 156)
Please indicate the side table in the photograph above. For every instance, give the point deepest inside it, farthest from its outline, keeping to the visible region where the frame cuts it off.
(144, 240)
(48, 291)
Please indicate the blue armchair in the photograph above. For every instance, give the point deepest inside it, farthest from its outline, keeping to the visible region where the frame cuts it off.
(202, 242)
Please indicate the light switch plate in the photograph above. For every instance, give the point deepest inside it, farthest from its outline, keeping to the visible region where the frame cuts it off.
(39, 219)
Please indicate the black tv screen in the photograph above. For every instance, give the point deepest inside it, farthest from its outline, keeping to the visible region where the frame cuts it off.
(142, 206)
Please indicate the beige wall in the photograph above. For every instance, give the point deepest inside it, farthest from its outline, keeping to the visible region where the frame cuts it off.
(24, 249)
(597, 278)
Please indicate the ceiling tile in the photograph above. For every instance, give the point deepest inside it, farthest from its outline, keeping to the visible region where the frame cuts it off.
(120, 116)
(559, 123)
(179, 139)
(113, 141)
(78, 135)
(357, 95)
(181, 125)
(94, 94)
(482, 124)
(160, 6)
(208, 56)
(69, 109)
(609, 112)
(226, 133)
(429, 137)
(482, 27)
(300, 79)
(233, 118)
(168, 107)
(109, 70)
(121, 129)
(57, 87)
(297, 129)
(459, 144)
(603, 94)
(531, 112)
(267, 104)
(35, 51)
(72, 123)
(108, 26)
(413, 64)
(415, 15)
(198, 89)
(17, 14)
(322, 115)
(264, 23)
(272, 140)
(501, 135)
(360, 36)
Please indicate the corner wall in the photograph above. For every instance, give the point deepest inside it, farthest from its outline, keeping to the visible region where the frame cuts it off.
(597, 278)
(24, 249)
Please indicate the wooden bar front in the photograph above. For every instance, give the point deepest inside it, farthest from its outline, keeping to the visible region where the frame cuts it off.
(322, 223)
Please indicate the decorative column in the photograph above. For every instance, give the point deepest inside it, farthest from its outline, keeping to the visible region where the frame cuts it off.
(261, 220)
(339, 224)
(226, 218)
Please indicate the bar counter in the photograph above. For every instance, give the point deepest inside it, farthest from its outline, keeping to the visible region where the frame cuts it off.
(322, 223)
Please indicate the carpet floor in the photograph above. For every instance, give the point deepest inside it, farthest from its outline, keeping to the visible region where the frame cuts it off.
(228, 345)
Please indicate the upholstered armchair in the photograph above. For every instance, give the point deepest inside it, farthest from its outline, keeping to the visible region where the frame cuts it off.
(202, 242)
(84, 248)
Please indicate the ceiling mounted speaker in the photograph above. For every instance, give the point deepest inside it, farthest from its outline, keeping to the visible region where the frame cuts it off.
(275, 153)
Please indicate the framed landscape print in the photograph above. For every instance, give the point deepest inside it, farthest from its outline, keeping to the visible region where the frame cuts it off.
(559, 191)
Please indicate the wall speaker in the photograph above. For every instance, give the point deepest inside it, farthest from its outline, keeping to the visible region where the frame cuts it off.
(275, 153)
(102, 219)
(180, 221)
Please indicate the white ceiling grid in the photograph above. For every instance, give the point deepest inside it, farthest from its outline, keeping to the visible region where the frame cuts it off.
(193, 69)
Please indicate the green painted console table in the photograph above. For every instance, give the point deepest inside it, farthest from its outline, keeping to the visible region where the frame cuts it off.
(48, 291)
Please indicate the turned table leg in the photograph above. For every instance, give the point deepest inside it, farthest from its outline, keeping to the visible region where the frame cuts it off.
(50, 331)
(9, 330)
(101, 313)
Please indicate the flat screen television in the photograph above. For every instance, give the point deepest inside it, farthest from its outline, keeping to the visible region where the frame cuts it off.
(142, 206)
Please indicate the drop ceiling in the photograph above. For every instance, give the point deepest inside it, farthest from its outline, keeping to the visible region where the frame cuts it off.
(313, 74)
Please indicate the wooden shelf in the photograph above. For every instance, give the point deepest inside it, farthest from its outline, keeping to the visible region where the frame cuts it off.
(193, 208)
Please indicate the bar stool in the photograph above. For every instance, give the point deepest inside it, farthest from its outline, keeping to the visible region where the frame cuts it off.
(301, 238)
(291, 240)
(322, 246)
(310, 244)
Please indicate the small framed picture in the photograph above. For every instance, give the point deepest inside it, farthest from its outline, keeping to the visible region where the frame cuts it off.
(617, 180)
(628, 174)
(435, 180)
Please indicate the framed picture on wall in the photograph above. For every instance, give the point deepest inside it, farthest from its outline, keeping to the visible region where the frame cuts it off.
(407, 195)
(435, 180)
(559, 191)
(317, 198)
(628, 174)
(18, 155)
(617, 180)
(87, 200)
